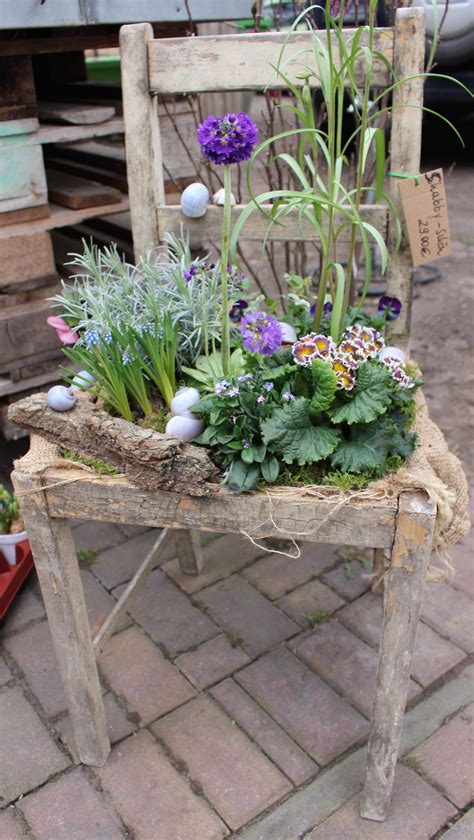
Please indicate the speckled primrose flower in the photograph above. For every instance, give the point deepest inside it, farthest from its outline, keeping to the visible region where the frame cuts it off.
(312, 346)
(229, 139)
(261, 333)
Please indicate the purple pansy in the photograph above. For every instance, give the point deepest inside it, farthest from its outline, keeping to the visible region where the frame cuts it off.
(237, 310)
(261, 333)
(327, 308)
(229, 139)
(389, 306)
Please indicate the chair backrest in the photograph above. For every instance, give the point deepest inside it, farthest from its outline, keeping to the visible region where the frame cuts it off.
(153, 68)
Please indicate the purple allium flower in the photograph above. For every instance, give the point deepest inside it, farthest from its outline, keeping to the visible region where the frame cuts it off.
(261, 333)
(390, 307)
(237, 310)
(228, 139)
(260, 399)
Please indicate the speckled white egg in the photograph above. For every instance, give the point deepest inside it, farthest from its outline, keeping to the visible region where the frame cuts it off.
(60, 398)
(82, 380)
(392, 353)
(194, 200)
(184, 428)
(184, 399)
(219, 198)
(288, 333)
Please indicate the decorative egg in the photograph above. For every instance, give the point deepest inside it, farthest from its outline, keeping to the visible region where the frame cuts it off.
(392, 353)
(184, 399)
(219, 196)
(60, 398)
(288, 333)
(194, 200)
(81, 381)
(184, 428)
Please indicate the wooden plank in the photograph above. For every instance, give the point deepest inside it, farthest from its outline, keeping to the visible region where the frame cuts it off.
(189, 551)
(28, 214)
(77, 193)
(73, 113)
(405, 152)
(131, 591)
(142, 138)
(26, 291)
(25, 257)
(8, 386)
(56, 563)
(25, 335)
(22, 178)
(170, 218)
(243, 62)
(68, 133)
(17, 88)
(402, 604)
(61, 217)
(80, 169)
(258, 514)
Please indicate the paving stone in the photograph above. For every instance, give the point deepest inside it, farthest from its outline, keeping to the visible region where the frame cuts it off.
(211, 661)
(168, 615)
(5, 673)
(451, 612)
(238, 607)
(350, 579)
(222, 557)
(346, 662)
(136, 669)
(433, 655)
(26, 607)
(462, 559)
(98, 535)
(311, 712)
(234, 775)
(278, 746)
(118, 726)
(313, 597)
(417, 812)
(118, 565)
(313, 803)
(34, 653)
(154, 801)
(463, 829)
(99, 603)
(69, 807)
(447, 758)
(29, 753)
(275, 574)
(10, 827)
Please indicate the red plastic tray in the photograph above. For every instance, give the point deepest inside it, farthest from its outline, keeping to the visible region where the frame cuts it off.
(11, 577)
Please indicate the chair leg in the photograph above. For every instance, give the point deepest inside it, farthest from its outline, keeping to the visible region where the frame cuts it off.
(56, 563)
(189, 551)
(402, 604)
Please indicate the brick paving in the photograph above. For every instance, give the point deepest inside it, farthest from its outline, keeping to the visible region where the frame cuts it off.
(237, 701)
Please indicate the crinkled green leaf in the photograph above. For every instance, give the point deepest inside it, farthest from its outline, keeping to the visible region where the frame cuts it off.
(290, 434)
(277, 372)
(325, 384)
(371, 396)
(368, 447)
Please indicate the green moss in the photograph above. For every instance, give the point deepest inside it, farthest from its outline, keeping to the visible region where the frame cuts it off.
(100, 467)
(314, 619)
(87, 556)
(346, 481)
(157, 421)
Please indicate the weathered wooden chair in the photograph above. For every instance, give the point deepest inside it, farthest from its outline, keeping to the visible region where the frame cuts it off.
(49, 495)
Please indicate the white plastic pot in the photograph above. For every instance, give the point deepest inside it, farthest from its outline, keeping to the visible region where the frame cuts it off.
(8, 543)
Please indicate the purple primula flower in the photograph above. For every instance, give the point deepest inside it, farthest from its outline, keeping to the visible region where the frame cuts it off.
(237, 310)
(228, 139)
(260, 399)
(261, 333)
(390, 307)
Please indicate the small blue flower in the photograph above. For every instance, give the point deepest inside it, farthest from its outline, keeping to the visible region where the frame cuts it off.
(107, 337)
(126, 358)
(288, 396)
(92, 338)
(268, 386)
(232, 392)
(245, 377)
(246, 445)
(221, 387)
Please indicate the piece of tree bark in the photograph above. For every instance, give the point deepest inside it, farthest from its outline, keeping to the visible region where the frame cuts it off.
(152, 460)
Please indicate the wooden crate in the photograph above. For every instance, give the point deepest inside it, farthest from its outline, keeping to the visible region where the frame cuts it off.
(22, 173)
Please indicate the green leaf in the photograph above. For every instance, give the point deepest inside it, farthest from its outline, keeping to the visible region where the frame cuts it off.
(371, 397)
(277, 372)
(243, 477)
(270, 469)
(247, 455)
(290, 434)
(325, 385)
(368, 447)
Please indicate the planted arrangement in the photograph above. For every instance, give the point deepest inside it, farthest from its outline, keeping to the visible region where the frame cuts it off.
(304, 389)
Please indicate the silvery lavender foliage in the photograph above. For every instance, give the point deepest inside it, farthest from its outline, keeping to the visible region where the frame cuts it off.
(107, 291)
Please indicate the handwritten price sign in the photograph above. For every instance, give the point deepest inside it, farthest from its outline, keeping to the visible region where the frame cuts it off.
(426, 216)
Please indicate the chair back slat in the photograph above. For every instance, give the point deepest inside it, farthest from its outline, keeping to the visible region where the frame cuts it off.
(244, 62)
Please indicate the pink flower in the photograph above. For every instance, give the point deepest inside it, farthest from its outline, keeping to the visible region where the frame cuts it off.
(65, 334)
